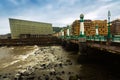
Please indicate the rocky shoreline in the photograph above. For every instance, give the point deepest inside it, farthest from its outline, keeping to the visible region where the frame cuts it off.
(47, 63)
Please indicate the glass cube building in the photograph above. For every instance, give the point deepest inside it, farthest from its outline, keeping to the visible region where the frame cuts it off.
(20, 27)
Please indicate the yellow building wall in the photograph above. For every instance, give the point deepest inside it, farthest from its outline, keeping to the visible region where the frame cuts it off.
(102, 27)
(90, 27)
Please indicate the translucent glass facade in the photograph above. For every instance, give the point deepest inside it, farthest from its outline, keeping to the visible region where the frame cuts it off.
(19, 27)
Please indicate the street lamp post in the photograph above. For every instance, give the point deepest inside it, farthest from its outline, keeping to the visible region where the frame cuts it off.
(109, 34)
(68, 32)
(62, 33)
(82, 37)
(97, 32)
(82, 25)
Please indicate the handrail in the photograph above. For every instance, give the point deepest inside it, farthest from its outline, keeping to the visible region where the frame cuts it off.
(94, 38)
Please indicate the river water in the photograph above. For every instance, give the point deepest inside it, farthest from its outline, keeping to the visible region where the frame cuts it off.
(50, 63)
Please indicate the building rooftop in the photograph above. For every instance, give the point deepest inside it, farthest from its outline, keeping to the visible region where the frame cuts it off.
(28, 21)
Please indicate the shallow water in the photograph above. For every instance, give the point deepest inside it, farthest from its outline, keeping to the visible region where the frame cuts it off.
(44, 61)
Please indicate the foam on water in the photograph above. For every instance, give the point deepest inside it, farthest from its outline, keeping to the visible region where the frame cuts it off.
(12, 48)
(20, 57)
(9, 64)
(23, 57)
(4, 52)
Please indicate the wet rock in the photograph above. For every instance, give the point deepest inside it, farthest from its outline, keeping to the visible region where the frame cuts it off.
(70, 63)
(26, 73)
(39, 78)
(65, 64)
(0, 76)
(57, 58)
(41, 49)
(46, 77)
(51, 73)
(43, 65)
(35, 53)
(40, 70)
(36, 68)
(56, 65)
(5, 76)
(9, 73)
(76, 77)
(20, 77)
(63, 72)
(52, 52)
(59, 73)
(59, 78)
(17, 76)
(43, 74)
(69, 73)
(30, 78)
(72, 78)
(54, 73)
(6, 79)
(60, 65)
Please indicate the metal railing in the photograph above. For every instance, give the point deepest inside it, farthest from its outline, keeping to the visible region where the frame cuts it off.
(103, 38)
(115, 38)
(96, 38)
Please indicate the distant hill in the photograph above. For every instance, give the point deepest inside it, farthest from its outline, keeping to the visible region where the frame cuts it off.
(56, 29)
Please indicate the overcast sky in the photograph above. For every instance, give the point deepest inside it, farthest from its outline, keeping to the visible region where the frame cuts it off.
(58, 12)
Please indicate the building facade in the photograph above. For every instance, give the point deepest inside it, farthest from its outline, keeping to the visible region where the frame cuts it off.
(115, 27)
(23, 27)
(89, 30)
(102, 27)
(76, 28)
(90, 27)
(5, 36)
